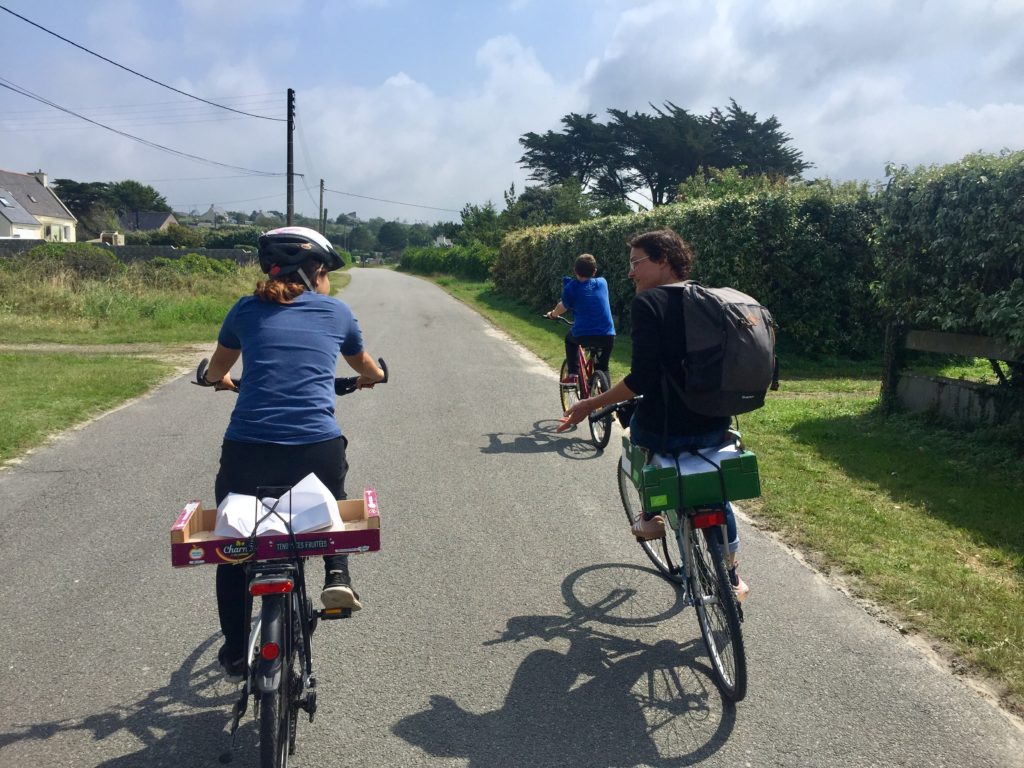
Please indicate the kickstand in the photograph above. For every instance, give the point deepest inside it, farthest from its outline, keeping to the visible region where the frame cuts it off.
(238, 712)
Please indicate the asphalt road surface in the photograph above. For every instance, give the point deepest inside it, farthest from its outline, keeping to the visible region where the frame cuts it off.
(485, 640)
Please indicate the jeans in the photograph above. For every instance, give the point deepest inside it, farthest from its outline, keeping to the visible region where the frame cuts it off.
(675, 444)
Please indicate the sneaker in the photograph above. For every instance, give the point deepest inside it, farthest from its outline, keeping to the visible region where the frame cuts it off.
(646, 530)
(739, 586)
(234, 670)
(570, 380)
(338, 592)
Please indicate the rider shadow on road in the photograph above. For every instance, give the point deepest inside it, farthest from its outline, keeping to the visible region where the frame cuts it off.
(543, 438)
(181, 724)
(609, 700)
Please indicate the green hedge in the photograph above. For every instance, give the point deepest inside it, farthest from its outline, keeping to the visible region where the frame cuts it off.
(472, 262)
(951, 246)
(803, 250)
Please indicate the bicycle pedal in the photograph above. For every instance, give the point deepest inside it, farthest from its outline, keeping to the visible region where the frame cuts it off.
(329, 614)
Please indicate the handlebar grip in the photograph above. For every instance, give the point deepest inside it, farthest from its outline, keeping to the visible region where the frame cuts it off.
(600, 413)
(200, 378)
(383, 367)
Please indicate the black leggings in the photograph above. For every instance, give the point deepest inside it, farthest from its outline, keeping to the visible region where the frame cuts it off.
(603, 343)
(243, 468)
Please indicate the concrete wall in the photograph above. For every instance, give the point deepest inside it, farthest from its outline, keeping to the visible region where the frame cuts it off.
(963, 401)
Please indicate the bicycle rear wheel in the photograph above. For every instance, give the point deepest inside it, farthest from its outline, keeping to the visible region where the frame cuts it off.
(600, 430)
(570, 394)
(658, 550)
(717, 613)
(275, 702)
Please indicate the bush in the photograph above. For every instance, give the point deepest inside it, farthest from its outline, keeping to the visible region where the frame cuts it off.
(83, 259)
(233, 237)
(177, 235)
(194, 264)
(471, 262)
(804, 251)
(951, 246)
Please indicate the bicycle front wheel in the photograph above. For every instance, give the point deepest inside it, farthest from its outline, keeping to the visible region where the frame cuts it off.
(600, 430)
(717, 613)
(570, 393)
(275, 702)
(658, 550)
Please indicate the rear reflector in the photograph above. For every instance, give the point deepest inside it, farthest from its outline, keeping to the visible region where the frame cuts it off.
(709, 519)
(270, 587)
(270, 651)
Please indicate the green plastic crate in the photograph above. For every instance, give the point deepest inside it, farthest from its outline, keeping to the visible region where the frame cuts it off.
(663, 487)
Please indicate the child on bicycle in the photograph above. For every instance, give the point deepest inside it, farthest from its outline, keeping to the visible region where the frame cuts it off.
(289, 334)
(592, 326)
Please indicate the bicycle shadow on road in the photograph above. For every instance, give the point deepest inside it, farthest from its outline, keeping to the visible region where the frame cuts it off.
(543, 438)
(183, 723)
(609, 700)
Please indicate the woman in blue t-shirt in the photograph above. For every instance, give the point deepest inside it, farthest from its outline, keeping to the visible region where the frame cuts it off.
(587, 297)
(289, 334)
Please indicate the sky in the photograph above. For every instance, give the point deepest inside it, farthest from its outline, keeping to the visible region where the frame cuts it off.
(411, 109)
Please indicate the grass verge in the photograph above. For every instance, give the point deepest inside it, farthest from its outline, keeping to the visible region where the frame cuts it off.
(923, 520)
(46, 393)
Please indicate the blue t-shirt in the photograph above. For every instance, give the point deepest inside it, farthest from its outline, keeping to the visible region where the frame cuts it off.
(289, 359)
(588, 300)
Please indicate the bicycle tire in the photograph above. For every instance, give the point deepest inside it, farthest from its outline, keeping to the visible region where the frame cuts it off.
(275, 704)
(717, 613)
(569, 394)
(600, 430)
(658, 550)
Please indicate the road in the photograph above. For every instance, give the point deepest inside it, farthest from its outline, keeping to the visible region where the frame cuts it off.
(483, 642)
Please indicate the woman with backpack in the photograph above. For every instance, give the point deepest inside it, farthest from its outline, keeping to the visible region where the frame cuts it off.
(662, 423)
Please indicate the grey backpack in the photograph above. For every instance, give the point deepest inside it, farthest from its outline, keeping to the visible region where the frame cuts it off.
(730, 351)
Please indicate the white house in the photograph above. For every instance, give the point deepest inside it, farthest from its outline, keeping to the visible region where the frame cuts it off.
(29, 209)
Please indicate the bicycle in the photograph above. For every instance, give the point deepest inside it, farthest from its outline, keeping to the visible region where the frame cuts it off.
(589, 383)
(279, 667)
(696, 563)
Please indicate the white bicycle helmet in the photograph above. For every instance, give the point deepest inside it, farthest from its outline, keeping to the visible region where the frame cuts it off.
(283, 251)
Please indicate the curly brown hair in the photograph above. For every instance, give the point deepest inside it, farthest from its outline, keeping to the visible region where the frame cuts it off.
(666, 245)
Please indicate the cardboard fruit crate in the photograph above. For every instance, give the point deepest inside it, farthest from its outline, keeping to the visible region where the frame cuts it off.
(193, 541)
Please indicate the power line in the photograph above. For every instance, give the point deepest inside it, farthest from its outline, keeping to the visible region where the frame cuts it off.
(18, 89)
(393, 202)
(139, 74)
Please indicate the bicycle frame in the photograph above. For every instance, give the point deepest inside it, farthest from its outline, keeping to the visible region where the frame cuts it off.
(585, 365)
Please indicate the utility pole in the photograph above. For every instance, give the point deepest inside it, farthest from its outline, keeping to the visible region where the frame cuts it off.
(291, 158)
(323, 222)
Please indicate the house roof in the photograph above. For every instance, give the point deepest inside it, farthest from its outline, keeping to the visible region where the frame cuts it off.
(13, 211)
(145, 220)
(33, 196)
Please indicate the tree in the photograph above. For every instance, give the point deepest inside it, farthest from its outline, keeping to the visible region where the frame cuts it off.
(392, 236)
(131, 196)
(360, 238)
(656, 151)
(564, 203)
(758, 148)
(80, 197)
(480, 224)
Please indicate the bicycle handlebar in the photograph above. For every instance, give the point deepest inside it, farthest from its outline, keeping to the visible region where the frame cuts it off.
(560, 318)
(601, 413)
(343, 385)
